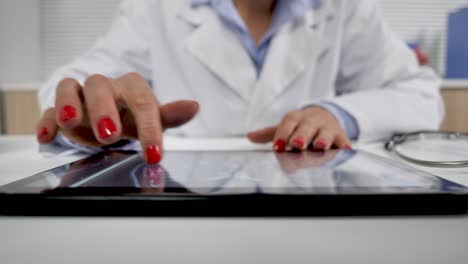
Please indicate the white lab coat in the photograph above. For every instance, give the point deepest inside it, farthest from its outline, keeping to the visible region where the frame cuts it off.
(342, 52)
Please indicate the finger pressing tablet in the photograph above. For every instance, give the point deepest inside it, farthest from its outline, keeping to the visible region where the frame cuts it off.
(145, 108)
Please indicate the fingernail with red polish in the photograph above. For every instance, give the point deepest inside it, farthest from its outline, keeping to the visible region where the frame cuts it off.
(322, 143)
(280, 145)
(299, 142)
(153, 154)
(67, 113)
(106, 128)
(43, 132)
(349, 147)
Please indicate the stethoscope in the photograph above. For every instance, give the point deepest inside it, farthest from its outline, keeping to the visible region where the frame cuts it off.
(424, 137)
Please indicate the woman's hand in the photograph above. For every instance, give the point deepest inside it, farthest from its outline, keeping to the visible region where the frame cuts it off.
(310, 127)
(105, 110)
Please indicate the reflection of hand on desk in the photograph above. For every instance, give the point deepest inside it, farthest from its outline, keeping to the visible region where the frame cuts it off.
(290, 162)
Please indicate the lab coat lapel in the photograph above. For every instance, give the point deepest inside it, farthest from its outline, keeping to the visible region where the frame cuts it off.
(216, 48)
(293, 51)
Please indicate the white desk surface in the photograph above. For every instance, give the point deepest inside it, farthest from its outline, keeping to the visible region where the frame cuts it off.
(227, 240)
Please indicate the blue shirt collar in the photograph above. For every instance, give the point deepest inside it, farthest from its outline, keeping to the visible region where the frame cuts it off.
(305, 3)
(285, 11)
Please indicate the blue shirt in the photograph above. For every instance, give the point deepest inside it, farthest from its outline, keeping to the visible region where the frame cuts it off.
(285, 10)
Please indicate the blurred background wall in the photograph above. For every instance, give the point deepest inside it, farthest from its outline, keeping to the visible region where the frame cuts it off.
(37, 36)
(20, 41)
(40, 35)
(69, 27)
(424, 22)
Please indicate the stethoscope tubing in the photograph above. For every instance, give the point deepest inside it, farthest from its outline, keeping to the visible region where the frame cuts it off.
(399, 139)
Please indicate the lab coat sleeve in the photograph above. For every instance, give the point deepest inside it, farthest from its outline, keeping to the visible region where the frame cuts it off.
(380, 82)
(122, 50)
(346, 120)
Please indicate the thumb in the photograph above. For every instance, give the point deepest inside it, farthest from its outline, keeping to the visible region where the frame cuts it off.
(262, 136)
(178, 113)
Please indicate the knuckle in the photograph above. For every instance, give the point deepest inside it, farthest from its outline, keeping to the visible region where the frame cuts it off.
(310, 122)
(342, 136)
(312, 111)
(67, 82)
(340, 131)
(49, 111)
(291, 116)
(49, 115)
(134, 77)
(308, 130)
(129, 89)
(96, 79)
(101, 103)
(148, 131)
(335, 126)
(144, 103)
(283, 134)
(330, 133)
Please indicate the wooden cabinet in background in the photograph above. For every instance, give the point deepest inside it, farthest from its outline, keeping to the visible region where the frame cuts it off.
(21, 112)
(456, 110)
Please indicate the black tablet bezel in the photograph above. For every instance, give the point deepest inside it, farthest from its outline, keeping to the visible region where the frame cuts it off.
(253, 205)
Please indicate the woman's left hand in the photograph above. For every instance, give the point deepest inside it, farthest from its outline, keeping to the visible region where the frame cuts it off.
(309, 127)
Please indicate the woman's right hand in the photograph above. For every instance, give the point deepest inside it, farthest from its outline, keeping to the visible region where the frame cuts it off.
(105, 110)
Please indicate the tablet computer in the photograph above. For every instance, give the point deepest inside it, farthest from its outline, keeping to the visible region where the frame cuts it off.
(207, 183)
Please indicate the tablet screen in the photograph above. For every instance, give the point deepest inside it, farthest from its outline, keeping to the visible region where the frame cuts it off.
(221, 173)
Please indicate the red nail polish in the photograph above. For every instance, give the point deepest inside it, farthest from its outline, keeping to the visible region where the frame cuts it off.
(280, 145)
(322, 143)
(43, 132)
(299, 142)
(349, 147)
(67, 113)
(153, 154)
(106, 128)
